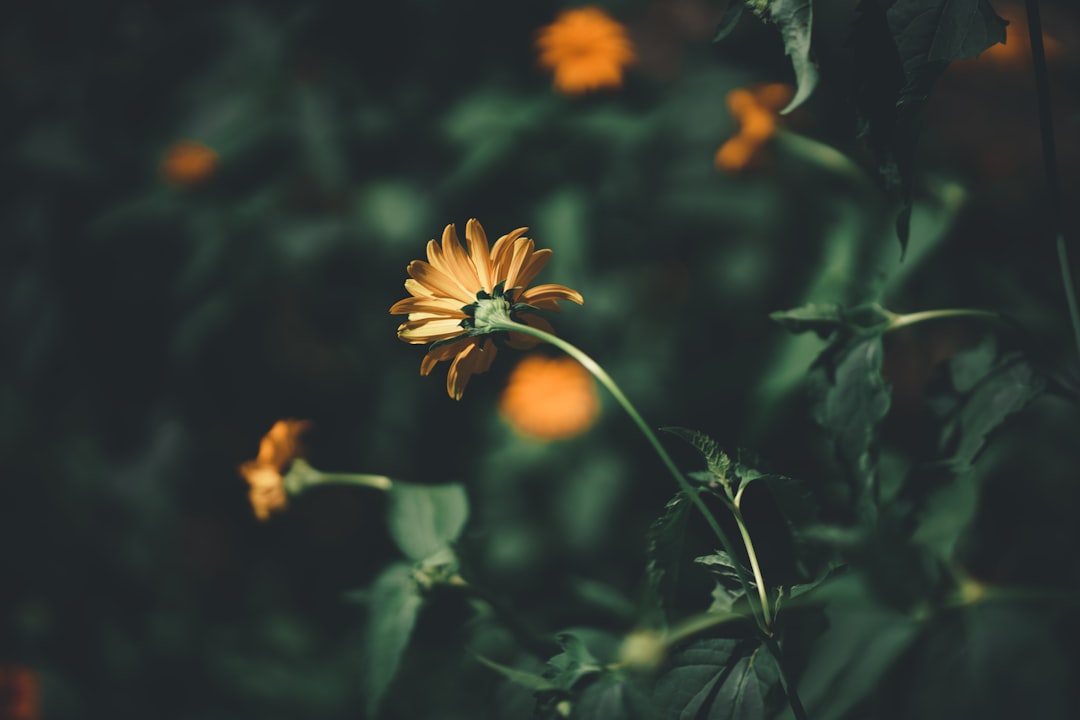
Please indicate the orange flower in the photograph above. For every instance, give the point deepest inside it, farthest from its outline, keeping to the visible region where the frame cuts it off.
(187, 163)
(276, 450)
(460, 297)
(20, 693)
(586, 49)
(550, 398)
(1015, 52)
(755, 111)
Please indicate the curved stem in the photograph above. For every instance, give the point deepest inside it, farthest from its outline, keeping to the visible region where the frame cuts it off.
(763, 594)
(601, 375)
(301, 476)
(900, 321)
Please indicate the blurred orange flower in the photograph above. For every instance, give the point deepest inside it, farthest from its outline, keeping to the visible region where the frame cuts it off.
(277, 449)
(586, 49)
(755, 111)
(187, 163)
(20, 693)
(455, 294)
(550, 398)
(1015, 52)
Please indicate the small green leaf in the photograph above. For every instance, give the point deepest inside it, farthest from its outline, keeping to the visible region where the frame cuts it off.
(424, 518)
(729, 589)
(717, 462)
(394, 605)
(520, 677)
(573, 663)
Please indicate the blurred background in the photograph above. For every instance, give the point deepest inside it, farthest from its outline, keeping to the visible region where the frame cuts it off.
(207, 214)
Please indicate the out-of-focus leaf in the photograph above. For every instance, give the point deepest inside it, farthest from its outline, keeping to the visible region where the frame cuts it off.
(851, 398)
(424, 518)
(900, 48)
(663, 551)
(719, 679)
(863, 642)
(395, 602)
(732, 14)
(990, 660)
(827, 319)
(794, 19)
(529, 680)
(573, 663)
(1011, 386)
(613, 696)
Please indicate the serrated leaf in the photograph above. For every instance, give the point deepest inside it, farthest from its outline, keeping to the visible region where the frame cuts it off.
(663, 551)
(424, 518)
(394, 605)
(719, 679)
(851, 398)
(573, 663)
(729, 588)
(900, 48)
(529, 680)
(795, 19)
(716, 461)
(1005, 391)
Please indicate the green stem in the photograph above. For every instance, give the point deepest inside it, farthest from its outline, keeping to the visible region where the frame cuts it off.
(900, 321)
(601, 375)
(302, 476)
(763, 594)
(1046, 133)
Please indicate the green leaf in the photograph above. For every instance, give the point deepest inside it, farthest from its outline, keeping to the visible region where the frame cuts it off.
(424, 518)
(395, 603)
(863, 642)
(716, 461)
(663, 551)
(732, 14)
(719, 679)
(520, 677)
(828, 319)
(851, 399)
(573, 663)
(613, 696)
(1011, 386)
(794, 18)
(728, 588)
(900, 48)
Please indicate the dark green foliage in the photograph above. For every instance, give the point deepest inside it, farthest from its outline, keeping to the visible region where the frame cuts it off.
(900, 48)
(664, 545)
(393, 608)
(719, 679)
(850, 400)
